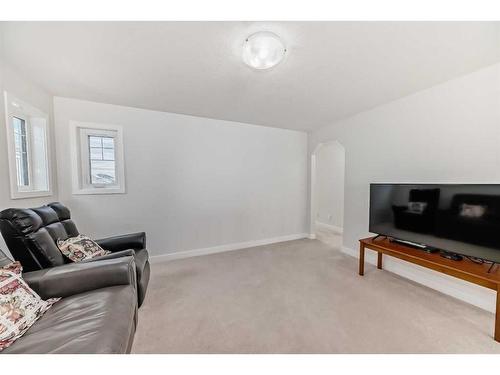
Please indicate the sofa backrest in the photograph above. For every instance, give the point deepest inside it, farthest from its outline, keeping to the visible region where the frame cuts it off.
(429, 196)
(492, 202)
(31, 234)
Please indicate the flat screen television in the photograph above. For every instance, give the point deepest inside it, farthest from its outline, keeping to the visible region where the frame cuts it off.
(459, 218)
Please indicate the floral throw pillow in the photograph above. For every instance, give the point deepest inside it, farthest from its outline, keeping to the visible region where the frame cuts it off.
(80, 248)
(20, 306)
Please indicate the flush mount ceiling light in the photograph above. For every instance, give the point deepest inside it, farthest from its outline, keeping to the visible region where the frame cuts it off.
(263, 50)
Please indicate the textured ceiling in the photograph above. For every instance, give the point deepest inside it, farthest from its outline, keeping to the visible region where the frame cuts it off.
(332, 69)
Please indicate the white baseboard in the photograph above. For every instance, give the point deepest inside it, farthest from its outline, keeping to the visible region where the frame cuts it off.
(329, 227)
(474, 294)
(223, 248)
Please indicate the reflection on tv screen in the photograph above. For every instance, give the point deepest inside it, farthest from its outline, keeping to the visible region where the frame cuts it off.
(458, 218)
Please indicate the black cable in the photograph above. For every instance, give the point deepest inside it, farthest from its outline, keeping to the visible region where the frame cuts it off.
(477, 260)
(481, 261)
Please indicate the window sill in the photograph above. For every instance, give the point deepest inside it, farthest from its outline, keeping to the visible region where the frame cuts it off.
(30, 194)
(94, 191)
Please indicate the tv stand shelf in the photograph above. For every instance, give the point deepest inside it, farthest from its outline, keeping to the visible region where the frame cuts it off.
(464, 269)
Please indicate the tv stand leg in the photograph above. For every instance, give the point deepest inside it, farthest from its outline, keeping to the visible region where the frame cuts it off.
(379, 260)
(491, 267)
(497, 316)
(361, 259)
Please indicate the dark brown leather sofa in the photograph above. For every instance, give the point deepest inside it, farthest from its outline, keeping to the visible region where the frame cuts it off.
(31, 236)
(97, 312)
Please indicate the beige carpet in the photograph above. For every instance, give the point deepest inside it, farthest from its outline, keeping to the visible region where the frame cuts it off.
(300, 297)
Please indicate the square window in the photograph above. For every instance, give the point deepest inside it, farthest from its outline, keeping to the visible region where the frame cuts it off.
(100, 164)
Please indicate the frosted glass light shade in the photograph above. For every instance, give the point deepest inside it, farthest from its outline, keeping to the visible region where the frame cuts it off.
(263, 50)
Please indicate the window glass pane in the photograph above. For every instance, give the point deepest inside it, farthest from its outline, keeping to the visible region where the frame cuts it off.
(102, 156)
(21, 151)
(108, 142)
(95, 141)
(95, 153)
(18, 141)
(108, 153)
(102, 172)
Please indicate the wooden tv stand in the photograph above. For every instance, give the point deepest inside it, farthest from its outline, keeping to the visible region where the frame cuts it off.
(464, 269)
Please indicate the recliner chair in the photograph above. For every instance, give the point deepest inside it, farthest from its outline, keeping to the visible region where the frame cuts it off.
(31, 236)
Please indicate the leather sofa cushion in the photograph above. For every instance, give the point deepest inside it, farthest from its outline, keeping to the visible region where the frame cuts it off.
(25, 221)
(43, 243)
(62, 211)
(47, 214)
(100, 321)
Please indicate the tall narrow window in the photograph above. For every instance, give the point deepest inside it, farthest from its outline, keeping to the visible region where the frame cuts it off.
(21, 150)
(99, 167)
(28, 152)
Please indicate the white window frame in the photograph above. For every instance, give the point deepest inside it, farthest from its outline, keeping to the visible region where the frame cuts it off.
(15, 107)
(80, 131)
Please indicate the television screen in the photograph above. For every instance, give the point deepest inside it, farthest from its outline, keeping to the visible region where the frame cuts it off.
(463, 219)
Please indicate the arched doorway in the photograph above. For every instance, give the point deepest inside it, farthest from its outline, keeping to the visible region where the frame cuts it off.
(327, 193)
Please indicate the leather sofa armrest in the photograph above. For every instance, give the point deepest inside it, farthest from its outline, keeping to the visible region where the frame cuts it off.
(136, 241)
(115, 255)
(75, 278)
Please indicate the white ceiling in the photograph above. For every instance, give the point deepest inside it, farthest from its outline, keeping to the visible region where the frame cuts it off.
(332, 69)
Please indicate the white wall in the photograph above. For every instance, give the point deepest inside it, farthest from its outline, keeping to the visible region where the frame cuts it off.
(447, 133)
(29, 92)
(330, 162)
(191, 182)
